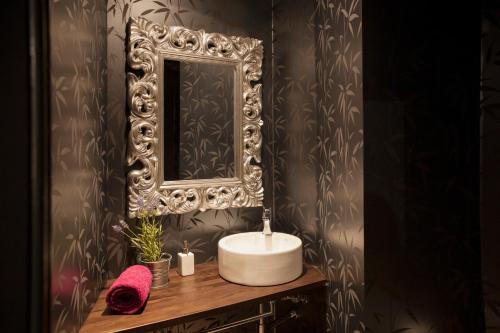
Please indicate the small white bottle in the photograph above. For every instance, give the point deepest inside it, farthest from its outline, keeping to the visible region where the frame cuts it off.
(185, 261)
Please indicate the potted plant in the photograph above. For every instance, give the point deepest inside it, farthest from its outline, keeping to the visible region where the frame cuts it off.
(146, 237)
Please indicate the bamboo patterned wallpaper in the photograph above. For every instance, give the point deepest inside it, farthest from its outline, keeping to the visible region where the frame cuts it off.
(206, 121)
(78, 99)
(417, 247)
(89, 140)
(202, 230)
(312, 154)
(318, 157)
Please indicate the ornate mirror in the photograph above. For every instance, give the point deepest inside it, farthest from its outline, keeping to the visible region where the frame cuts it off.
(195, 119)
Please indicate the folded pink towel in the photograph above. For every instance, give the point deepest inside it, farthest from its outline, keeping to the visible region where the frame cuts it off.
(129, 292)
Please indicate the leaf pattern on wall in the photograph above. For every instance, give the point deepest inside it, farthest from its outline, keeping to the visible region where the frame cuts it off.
(340, 204)
(78, 76)
(89, 140)
(312, 156)
(201, 229)
(206, 121)
(318, 166)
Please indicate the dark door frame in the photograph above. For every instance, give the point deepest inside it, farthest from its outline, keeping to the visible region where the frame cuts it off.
(39, 308)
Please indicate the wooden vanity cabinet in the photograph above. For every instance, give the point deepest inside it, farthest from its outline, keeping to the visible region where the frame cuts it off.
(206, 294)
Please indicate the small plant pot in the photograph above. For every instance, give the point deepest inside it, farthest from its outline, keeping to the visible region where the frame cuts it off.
(159, 269)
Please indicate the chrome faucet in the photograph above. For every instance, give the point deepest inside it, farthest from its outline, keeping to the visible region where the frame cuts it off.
(266, 220)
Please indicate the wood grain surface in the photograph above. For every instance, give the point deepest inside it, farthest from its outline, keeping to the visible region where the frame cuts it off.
(191, 297)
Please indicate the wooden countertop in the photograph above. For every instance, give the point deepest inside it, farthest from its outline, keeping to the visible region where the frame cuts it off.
(192, 297)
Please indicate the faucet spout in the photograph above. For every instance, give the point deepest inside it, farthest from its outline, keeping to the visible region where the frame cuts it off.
(267, 228)
(266, 221)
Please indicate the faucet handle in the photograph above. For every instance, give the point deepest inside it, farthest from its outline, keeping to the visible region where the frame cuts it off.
(266, 221)
(266, 214)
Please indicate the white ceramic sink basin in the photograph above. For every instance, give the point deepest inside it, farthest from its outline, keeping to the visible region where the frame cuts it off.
(254, 259)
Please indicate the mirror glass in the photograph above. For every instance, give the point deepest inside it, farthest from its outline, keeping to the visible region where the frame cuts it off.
(198, 119)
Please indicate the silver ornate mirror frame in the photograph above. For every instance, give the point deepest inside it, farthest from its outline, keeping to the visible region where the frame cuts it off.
(148, 44)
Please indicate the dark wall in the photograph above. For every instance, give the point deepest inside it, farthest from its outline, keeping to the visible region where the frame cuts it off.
(421, 227)
(314, 148)
(16, 151)
(78, 101)
(201, 229)
(206, 124)
(422, 248)
(89, 136)
(490, 162)
(318, 140)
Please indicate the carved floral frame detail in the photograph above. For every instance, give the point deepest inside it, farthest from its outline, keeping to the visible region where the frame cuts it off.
(148, 44)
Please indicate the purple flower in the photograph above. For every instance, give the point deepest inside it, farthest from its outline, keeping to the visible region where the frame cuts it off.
(152, 204)
(140, 202)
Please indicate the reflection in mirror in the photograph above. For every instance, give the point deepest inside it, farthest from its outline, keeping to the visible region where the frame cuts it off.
(199, 120)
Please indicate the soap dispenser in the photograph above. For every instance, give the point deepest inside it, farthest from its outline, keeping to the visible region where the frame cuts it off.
(185, 261)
